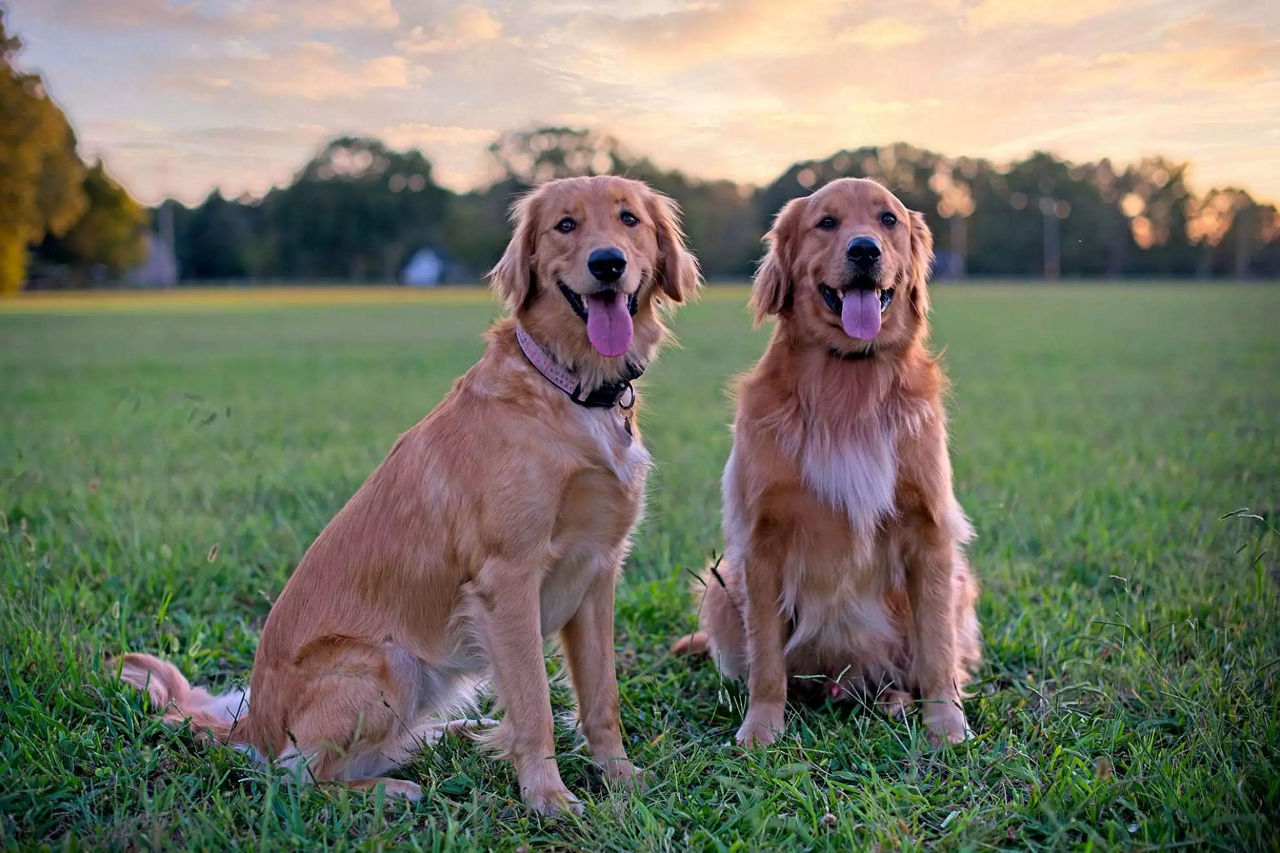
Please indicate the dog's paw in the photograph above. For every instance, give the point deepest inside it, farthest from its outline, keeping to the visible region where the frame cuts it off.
(944, 723)
(761, 727)
(894, 704)
(621, 773)
(410, 791)
(552, 800)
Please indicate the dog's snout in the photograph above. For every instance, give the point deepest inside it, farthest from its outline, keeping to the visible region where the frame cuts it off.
(863, 251)
(607, 264)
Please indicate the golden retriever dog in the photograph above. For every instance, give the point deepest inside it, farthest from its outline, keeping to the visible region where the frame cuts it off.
(501, 519)
(843, 564)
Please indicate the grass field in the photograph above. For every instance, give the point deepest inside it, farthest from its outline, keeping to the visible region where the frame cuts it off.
(164, 463)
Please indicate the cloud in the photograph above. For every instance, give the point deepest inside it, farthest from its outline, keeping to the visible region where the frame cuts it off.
(156, 162)
(457, 152)
(311, 71)
(317, 71)
(1009, 14)
(416, 134)
(384, 72)
(884, 33)
(709, 33)
(464, 28)
(333, 14)
(1201, 56)
(188, 16)
(718, 88)
(235, 17)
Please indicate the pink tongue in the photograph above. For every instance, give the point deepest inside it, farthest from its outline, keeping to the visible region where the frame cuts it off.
(609, 324)
(860, 314)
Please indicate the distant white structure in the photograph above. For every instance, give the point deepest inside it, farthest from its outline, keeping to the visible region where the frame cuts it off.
(424, 269)
(159, 267)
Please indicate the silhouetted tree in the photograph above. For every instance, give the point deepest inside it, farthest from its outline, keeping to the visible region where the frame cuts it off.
(531, 157)
(357, 210)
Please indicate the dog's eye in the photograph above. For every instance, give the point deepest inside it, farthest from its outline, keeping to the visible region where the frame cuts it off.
(564, 226)
(888, 220)
(629, 219)
(827, 223)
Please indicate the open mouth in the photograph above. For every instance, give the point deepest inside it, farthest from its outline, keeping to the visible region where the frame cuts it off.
(836, 303)
(607, 314)
(859, 309)
(580, 308)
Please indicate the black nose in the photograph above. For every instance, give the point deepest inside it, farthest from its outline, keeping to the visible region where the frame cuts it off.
(863, 251)
(607, 264)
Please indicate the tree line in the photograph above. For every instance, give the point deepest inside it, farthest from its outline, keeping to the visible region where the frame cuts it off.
(359, 210)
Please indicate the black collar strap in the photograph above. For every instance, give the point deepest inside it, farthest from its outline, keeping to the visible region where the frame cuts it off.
(869, 352)
(618, 393)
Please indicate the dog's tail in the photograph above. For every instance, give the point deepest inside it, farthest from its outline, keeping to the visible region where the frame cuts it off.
(223, 717)
(697, 643)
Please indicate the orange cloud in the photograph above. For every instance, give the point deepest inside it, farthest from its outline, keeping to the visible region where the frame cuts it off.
(312, 71)
(333, 14)
(884, 33)
(711, 32)
(464, 27)
(720, 88)
(1008, 14)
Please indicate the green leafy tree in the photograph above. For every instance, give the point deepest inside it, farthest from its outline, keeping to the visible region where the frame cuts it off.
(111, 230)
(41, 178)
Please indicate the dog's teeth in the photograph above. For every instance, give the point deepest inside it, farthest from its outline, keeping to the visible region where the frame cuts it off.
(886, 299)
(833, 298)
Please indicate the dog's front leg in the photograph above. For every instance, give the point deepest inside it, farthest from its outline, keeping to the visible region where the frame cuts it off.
(588, 647)
(930, 589)
(512, 633)
(767, 668)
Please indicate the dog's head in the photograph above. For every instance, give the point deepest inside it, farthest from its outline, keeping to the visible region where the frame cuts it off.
(847, 267)
(587, 262)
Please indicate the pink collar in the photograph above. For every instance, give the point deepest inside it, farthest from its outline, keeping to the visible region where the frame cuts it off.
(605, 397)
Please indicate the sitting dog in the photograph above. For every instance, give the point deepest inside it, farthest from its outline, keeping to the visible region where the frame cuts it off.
(502, 518)
(843, 536)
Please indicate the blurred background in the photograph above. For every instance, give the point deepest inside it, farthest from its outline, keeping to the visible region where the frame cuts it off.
(155, 142)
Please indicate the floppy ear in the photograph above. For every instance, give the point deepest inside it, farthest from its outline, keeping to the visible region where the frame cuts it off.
(771, 292)
(921, 261)
(677, 267)
(512, 277)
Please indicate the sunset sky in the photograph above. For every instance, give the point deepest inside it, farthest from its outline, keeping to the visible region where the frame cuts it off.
(179, 96)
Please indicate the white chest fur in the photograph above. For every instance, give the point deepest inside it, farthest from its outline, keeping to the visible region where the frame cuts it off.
(854, 473)
(623, 452)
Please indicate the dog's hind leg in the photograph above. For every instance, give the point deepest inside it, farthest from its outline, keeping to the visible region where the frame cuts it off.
(723, 633)
(346, 709)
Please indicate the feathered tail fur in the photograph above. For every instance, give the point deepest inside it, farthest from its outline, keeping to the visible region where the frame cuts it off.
(223, 717)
